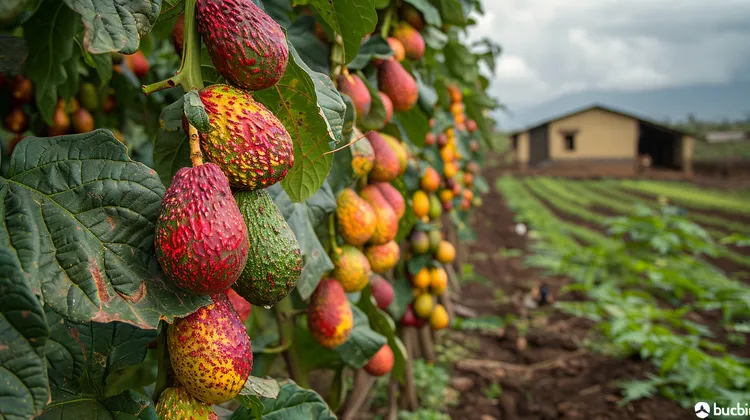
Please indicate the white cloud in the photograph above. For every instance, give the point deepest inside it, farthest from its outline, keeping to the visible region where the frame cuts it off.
(553, 47)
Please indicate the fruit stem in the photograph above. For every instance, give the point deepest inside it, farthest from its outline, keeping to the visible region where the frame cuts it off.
(332, 233)
(163, 376)
(196, 156)
(386, 23)
(189, 75)
(286, 323)
(278, 349)
(337, 58)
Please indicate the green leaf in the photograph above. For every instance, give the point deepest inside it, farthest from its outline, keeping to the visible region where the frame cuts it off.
(375, 118)
(312, 111)
(312, 51)
(342, 174)
(383, 324)
(49, 35)
(69, 88)
(115, 25)
(252, 408)
(362, 344)
(107, 348)
(461, 63)
(171, 144)
(171, 9)
(403, 295)
(474, 112)
(103, 67)
(427, 96)
(407, 221)
(81, 214)
(316, 260)
(349, 117)
(125, 406)
(452, 12)
(64, 356)
(295, 402)
(429, 12)
(382, 4)
(261, 387)
(415, 123)
(195, 112)
(352, 19)
(434, 38)
(374, 47)
(25, 390)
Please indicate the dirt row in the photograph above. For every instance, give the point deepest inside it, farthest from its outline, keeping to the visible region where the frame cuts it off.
(555, 376)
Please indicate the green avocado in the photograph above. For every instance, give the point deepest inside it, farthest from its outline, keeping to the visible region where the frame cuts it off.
(274, 259)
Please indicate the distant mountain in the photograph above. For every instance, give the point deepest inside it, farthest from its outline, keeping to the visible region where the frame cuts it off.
(705, 102)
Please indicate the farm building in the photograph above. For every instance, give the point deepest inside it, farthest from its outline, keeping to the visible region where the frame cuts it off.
(604, 140)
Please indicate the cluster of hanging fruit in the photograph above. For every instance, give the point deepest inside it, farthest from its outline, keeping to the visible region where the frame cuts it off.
(219, 232)
(74, 115)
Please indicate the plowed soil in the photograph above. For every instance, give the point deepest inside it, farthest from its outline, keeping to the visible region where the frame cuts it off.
(555, 376)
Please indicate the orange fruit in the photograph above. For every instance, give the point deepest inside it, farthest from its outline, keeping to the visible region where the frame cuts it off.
(438, 280)
(430, 180)
(446, 252)
(421, 280)
(439, 318)
(469, 194)
(446, 195)
(450, 169)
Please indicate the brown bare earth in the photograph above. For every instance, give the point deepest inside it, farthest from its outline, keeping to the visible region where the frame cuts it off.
(556, 376)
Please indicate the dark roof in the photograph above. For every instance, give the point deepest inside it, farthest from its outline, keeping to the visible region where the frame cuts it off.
(651, 123)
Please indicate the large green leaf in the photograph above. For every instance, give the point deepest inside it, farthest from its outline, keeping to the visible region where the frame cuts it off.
(115, 25)
(452, 12)
(80, 215)
(170, 9)
(171, 145)
(429, 12)
(415, 123)
(352, 19)
(374, 47)
(65, 362)
(125, 406)
(316, 260)
(312, 111)
(362, 344)
(23, 334)
(294, 402)
(461, 63)
(49, 35)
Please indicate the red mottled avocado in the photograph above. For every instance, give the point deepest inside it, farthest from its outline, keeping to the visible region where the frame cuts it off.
(274, 262)
(383, 257)
(354, 87)
(200, 239)
(246, 45)
(411, 39)
(329, 317)
(245, 139)
(382, 291)
(386, 226)
(210, 352)
(387, 165)
(178, 404)
(355, 217)
(393, 197)
(398, 84)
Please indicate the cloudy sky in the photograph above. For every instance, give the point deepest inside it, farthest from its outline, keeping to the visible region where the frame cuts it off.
(554, 47)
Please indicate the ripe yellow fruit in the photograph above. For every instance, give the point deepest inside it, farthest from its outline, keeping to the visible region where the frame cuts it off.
(420, 202)
(446, 252)
(421, 280)
(423, 306)
(450, 169)
(439, 318)
(438, 280)
(446, 195)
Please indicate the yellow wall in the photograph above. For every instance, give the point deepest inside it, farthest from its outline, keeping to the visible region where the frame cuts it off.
(522, 152)
(687, 147)
(600, 134)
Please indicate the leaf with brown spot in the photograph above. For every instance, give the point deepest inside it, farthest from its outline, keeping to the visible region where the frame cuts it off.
(57, 207)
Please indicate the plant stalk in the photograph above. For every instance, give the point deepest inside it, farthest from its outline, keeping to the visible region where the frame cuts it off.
(163, 375)
(285, 318)
(189, 75)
